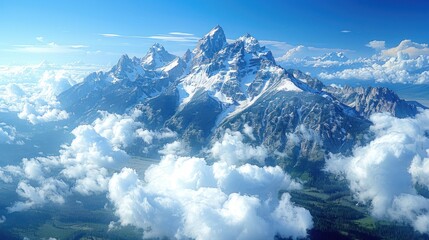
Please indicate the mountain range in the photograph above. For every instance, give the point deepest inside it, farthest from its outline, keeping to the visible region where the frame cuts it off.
(223, 85)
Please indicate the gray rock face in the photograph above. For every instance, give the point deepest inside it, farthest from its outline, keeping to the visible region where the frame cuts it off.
(222, 85)
(209, 45)
(299, 125)
(371, 100)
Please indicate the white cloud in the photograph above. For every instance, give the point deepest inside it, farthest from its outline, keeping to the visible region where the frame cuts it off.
(175, 148)
(119, 129)
(110, 35)
(39, 39)
(291, 53)
(84, 166)
(42, 111)
(346, 31)
(377, 45)
(278, 48)
(408, 47)
(7, 133)
(51, 47)
(31, 90)
(406, 63)
(181, 33)
(175, 38)
(172, 36)
(55, 82)
(7, 173)
(384, 172)
(37, 102)
(248, 130)
(32, 73)
(233, 150)
(399, 69)
(12, 90)
(88, 158)
(148, 136)
(51, 190)
(2, 219)
(184, 197)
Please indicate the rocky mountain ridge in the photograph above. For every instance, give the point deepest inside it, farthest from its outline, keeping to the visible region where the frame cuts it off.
(220, 85)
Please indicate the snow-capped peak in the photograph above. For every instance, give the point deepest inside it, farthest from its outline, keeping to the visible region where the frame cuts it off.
(250, 43)
(333, 56)
(156, 48)
(209, 45)
(126, 68)
(156, 57)
(216, 30)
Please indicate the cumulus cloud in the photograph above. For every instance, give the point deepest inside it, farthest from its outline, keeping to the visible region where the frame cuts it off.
(42, 106)
(377, 45)
(175, 148)
(7, 133)
(55, 82)
(248, 130)
(12, 90)
(233, 150)
(292, 53)
(399, 69)
(2, 219)
(37, 113)
(84, 166)
(406, 63)
(37, 102)
(31, 90)
(52, 190)
(185, 197)
(412, 49)
(384, 173)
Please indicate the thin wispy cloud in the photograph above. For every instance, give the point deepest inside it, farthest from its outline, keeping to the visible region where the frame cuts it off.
(175, 38)
(346, 31)
(39, 39)
(171, 37)
(181, 33)
(110, 35)
(51, 47)
(277, 44)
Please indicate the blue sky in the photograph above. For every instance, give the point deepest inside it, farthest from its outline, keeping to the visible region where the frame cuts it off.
(68, 31)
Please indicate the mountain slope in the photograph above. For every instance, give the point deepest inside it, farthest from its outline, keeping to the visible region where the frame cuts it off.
(128, 83)
(220, 85)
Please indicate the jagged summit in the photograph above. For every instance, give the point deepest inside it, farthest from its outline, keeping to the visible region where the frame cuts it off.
(209, 45)
(156, 49)
(187, 56)
(216, 30)
(156, 57)
(123, 59)
(251, 44)
(126, 68)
